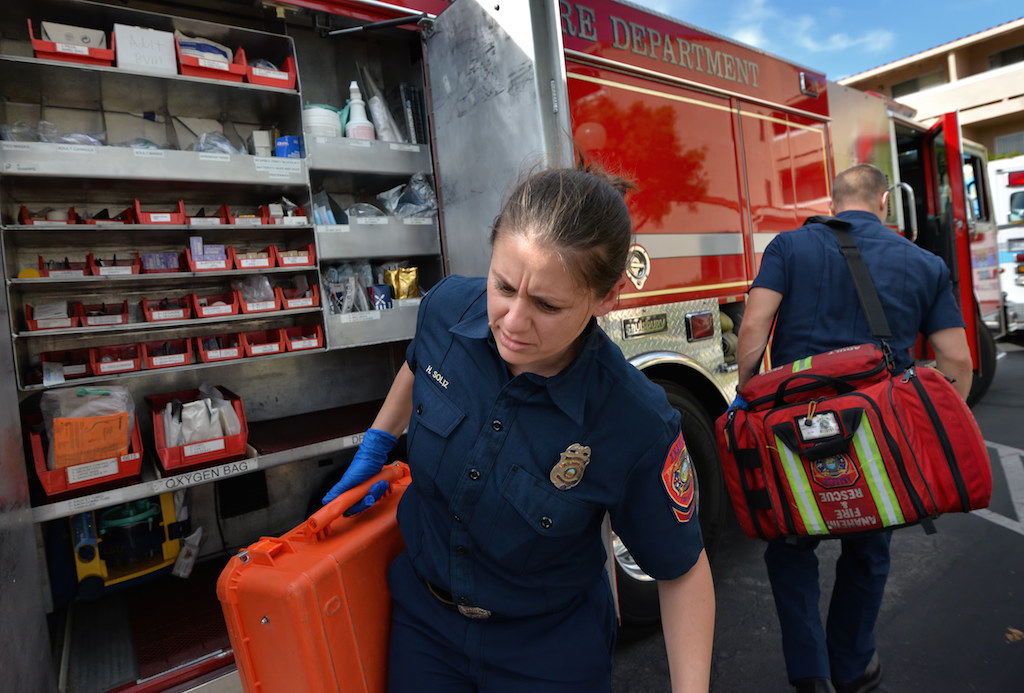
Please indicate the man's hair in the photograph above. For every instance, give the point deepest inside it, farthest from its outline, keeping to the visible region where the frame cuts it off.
(860, 185)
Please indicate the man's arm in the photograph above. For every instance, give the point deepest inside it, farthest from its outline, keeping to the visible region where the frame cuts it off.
(762, 304)
(688, 622)
(953, 357)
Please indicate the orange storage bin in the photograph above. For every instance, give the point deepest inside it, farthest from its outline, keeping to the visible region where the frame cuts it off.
(290, 300)
(65, 270)
(49, 323)
(74, 362)
(201, 452)
(157, 310)
(115, 359)
(299, 338)
(72, 53)
(203, 306)
(284, 78)
(115, 471)
(100, 314)
(323, 589)
(212, 69)
(209, 265)
(171, 352)
(301, 257)
(258, 306)
(268, 260)
(175, 216)
(104, 267)
(263, 342)
(224, 347)
(26, 220)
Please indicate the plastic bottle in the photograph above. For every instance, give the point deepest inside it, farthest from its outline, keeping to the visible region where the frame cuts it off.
(359, 126)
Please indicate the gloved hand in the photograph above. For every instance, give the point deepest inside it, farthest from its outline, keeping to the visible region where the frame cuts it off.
(376, 492)
(368, 460)
(738, 403)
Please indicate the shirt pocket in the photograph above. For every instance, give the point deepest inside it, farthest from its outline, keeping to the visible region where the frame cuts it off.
(540, 527)
(434, 418)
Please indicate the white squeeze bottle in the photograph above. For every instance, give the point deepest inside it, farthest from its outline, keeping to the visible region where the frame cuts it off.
(359, 126)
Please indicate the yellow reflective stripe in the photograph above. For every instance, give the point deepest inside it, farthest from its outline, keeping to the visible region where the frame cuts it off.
(873, 469)
(802, 364)
(801, 489)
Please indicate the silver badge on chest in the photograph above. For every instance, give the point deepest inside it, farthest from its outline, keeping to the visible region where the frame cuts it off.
(571, 465)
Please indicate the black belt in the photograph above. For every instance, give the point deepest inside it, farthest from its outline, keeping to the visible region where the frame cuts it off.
(445, 598)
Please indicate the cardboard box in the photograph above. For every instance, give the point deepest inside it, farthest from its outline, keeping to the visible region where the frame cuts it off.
(145, 50)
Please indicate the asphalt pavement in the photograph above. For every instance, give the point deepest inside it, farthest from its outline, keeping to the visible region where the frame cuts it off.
(952, 620)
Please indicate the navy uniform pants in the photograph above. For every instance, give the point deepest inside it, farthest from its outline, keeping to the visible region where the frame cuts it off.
(842, 649)
(435, 649)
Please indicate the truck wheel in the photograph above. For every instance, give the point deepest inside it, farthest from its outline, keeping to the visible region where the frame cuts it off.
(638, 593)
(987, 361)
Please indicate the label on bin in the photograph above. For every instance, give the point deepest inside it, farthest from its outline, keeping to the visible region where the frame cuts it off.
(92, 470)
(305, 343)
(214, 64)
(160, 217)
(114, 366)
(266, 348)
(117, 269)
(203, 447)
(74, 369)
(299, 302)
(55, 274)
(172, 360)
(295, 260)
(71, 48)
(178, 314)
(250, 262)
(210, 264)
(223, 353)
(92, 320)
(260, 305)
(269, 74)
(50, 323)
(216, 310)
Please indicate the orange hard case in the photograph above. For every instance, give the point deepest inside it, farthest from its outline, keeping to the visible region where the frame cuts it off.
(310, 611)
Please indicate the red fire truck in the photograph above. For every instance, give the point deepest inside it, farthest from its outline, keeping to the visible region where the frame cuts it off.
(728, 146)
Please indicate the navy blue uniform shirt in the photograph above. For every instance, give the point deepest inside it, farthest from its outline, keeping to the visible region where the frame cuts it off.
(482, 519)
(821, 310)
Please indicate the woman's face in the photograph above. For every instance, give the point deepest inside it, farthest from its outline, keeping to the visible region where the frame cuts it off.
(534, 308)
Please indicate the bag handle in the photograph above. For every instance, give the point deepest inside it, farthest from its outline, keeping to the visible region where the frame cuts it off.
(851, 419)
(840, 386)
(318, 526)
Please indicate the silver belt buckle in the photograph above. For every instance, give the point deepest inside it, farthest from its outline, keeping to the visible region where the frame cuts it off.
(474, 612)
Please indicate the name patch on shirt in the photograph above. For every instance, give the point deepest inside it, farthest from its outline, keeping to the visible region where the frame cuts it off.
(677, 478)
(436, 375)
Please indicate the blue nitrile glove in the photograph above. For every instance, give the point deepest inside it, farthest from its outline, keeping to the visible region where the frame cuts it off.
(368, 460)
(738, 403)
(376, 492)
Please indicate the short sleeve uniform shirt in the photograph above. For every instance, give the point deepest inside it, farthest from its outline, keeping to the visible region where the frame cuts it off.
(820, 310)
(482, 517)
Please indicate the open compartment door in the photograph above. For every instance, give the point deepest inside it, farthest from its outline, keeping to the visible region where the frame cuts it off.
(498, 102)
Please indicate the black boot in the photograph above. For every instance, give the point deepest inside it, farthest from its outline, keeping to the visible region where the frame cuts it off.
(814, 686)
(868, 681)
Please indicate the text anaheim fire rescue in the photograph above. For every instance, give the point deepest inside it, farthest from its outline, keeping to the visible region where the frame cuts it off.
(581, 22)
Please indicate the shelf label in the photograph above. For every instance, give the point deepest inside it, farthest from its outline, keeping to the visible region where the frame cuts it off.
(115, 366)
(249, 221)
(369, 221)
(213, 156)
(89, 502)
(399, 147)
(74, 369)
(92, 470)
(172, 360)
(16, 146)
(148, 153)
(178, 314)
(223, 353)
(365, 144)
(293, 221)
(305, 343)
(203, 447)
(278, 165)
(407, 302)
(418, 221)
(71, 48)
(266, 348)
(260, 305)
(355, 440)
(202, 476)
(93, 320)
(204, 221)
(213, 64)
(269, 74)
(362, 316)
(76, 149)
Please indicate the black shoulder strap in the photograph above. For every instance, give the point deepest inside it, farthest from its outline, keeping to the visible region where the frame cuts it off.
(861, 278)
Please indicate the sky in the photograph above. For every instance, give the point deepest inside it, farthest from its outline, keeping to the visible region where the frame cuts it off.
(841, 37)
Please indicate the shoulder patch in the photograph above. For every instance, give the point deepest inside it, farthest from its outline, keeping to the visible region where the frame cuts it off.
(677, 478)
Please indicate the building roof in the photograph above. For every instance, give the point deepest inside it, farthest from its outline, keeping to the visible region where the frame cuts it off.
(1007, 27)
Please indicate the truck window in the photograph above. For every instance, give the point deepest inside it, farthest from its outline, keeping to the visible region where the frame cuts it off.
(1017, 207)
(975, 189)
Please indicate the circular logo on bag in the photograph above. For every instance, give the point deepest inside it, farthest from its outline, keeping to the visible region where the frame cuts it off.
(835, 472)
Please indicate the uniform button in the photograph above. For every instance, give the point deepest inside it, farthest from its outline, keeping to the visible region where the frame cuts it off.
(419, 410)
(496, 425)
(546, 522)
(463, 600)
(474, 474)
(457, 519)
(460, 549)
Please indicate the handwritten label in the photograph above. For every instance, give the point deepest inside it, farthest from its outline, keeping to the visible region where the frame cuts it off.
(203, 447)
(92, 470)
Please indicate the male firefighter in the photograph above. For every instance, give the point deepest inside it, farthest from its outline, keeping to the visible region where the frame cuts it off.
(804, 278)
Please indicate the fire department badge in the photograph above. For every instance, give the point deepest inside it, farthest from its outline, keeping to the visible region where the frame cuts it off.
(835, 472)
(571, 465)
(677, 477)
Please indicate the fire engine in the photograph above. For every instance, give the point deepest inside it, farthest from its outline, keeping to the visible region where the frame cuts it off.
(728, 146)
(1007, 180)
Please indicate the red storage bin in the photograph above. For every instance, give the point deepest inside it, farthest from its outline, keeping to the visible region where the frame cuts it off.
(176, 216)
(122, 358)
(116, 471)
(73, 269)
(158, 310)
(227, 348)
(289, 300)
(201, 452)
(102, 314)
(49, 323)
(258, 306)
(102, 267)
(75, 362)
(72, 53)
(209, 265)
(263, 342)
(322, 587)
(254, 262)
(298, 219)
(212, 69)
(284, 78)
(125, 217)
(306, 257)
(178, 352)
(203, 306)
(25, 219)
(221, 218)
(299, 338)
